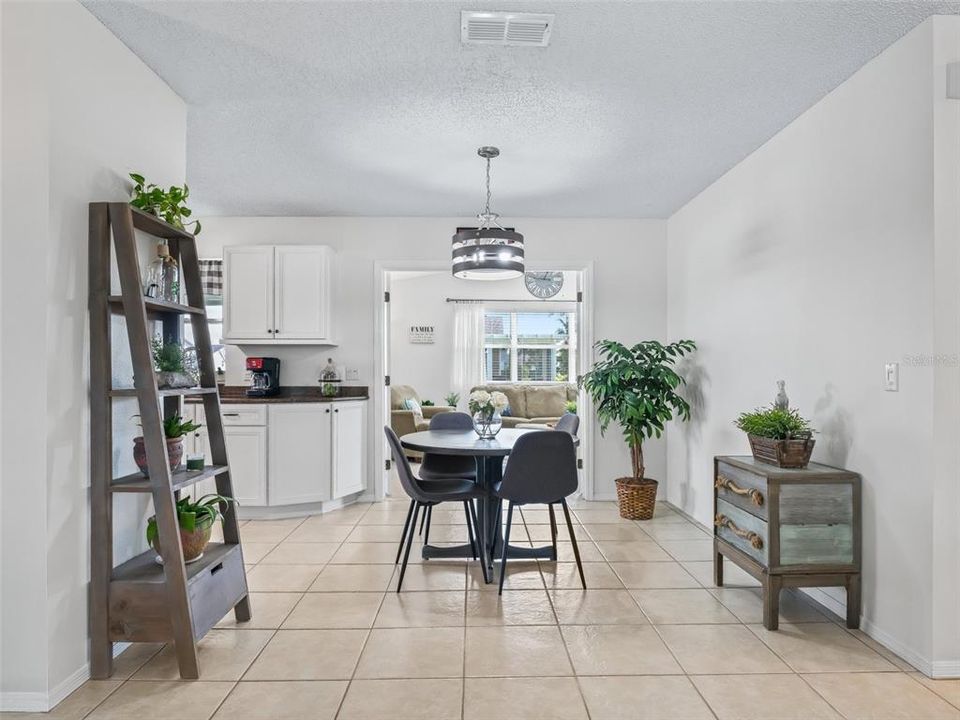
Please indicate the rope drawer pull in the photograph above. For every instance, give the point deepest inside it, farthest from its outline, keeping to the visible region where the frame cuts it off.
(748, 535)
(725, 483)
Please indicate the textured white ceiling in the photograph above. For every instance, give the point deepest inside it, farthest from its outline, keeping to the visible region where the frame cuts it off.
(375, 108)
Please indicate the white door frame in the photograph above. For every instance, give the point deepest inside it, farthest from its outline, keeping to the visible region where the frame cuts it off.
(584, 359)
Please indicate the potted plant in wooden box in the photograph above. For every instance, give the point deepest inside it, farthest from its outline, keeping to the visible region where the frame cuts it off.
(636, 387)
(196, 519)
(174, 428)
(778, 436)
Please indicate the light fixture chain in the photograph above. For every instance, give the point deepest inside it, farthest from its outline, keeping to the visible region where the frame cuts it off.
(486, 210)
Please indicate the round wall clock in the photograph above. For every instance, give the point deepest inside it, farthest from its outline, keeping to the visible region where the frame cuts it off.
(543, 285)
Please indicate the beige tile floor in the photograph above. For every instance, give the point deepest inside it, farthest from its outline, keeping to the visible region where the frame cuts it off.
(652, 638)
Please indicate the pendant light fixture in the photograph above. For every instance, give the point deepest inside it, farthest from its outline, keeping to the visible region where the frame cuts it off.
(487, 252)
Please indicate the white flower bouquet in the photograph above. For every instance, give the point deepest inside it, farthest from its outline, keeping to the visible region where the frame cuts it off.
(485, 402)
(486, 408)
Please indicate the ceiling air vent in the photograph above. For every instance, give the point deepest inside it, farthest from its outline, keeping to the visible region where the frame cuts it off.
(505, 28)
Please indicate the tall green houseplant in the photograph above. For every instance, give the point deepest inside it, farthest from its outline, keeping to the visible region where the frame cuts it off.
(636, 388)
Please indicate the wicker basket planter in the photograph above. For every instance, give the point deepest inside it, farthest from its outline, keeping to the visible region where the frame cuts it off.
(782, 453)
(636, 498)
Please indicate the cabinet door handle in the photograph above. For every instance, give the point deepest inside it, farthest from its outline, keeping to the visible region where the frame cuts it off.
(337, 410)
(748, 535)
(725, 483)
(231, 414)
(327, 410)
(269, 330)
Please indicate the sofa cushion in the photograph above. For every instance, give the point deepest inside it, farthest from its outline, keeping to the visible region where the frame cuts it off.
(545, 400)
(514, 393)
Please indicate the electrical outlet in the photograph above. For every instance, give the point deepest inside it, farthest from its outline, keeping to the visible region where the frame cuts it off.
(353, 374)
(891, 377)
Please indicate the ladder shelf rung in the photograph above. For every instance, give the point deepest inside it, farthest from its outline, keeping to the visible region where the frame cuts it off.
(137, 483)
(167, 392)
(158, 306)
(144, 568)
(152, 225)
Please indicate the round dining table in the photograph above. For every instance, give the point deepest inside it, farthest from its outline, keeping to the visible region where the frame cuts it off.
(489, 455)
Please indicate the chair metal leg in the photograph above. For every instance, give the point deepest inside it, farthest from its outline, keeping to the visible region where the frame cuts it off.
(425, 519)
(573, 539)
(406, 528)
(553, 529)
(506, 543)
(480, 544)
(428, 514)
(470, 533)
(406, 554)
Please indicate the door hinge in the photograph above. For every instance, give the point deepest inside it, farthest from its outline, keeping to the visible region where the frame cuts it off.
(386, 380)
(386, 296)
(579, 463)
(386, 465)
(579, 295)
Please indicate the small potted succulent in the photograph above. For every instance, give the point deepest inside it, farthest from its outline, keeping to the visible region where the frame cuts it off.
(174, 428)
(452, 399)
(196, 519)
(486, 408)
(778, 436)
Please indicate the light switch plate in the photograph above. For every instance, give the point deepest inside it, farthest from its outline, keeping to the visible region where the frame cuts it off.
(891, 377)
(353, 374)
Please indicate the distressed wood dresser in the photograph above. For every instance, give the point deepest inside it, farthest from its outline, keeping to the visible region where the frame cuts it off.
(788, 528)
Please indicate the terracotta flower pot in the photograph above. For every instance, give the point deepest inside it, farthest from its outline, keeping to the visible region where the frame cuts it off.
(174, 453)
(193, 543)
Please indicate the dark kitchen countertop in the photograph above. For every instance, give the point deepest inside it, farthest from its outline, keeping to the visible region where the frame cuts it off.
(237, 395)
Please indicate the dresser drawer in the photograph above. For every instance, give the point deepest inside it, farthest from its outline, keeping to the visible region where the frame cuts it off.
(747, 490)
(243, 414)
(744, 531)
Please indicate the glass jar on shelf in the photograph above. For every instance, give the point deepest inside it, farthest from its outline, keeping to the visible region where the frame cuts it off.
(161, 281)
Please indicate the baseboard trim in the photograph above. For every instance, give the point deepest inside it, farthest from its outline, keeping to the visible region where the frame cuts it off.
(44, 702)
(938, 670)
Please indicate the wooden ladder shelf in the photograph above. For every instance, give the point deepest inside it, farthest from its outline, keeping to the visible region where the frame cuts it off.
(141, 600)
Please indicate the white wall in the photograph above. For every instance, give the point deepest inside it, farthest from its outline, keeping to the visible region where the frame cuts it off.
(420, 299)
(813, 261)
(80, 111)
(629, 259)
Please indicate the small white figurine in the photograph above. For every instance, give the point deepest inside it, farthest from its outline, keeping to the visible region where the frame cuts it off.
(782, 402)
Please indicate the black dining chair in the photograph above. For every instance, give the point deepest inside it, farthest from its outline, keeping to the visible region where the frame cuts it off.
(424, 495)
(568, 423)
(442, 467)
(542, 469)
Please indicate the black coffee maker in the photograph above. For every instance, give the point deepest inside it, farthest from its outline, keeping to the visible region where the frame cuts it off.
(265, 376)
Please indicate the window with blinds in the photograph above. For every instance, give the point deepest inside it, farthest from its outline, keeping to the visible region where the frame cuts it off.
(528, 346)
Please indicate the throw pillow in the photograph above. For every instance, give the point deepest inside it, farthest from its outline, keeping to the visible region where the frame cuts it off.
(413, 405)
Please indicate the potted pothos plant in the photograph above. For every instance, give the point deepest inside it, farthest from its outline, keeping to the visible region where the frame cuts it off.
(174, 428)
(778, 436)
(196, 519)
(168, 205)
(636, 388)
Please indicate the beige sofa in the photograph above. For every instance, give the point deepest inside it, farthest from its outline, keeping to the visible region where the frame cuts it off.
(405, 421)
(537, 403)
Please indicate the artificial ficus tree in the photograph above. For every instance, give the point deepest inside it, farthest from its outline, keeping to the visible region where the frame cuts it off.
(636, 388)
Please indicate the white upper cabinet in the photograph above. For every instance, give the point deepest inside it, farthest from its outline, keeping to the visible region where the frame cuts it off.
(279, 294)
(248, 293)
(302, 292)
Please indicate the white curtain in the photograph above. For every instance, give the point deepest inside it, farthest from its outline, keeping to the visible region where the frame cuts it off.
(467, 348)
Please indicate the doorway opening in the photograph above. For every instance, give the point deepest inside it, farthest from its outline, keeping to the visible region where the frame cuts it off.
(439, 337)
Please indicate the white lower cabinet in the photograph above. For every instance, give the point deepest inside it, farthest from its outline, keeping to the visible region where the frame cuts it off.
(299, 464)
(288, 453)
(317, 451)
(348, 443)
(247, 454)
